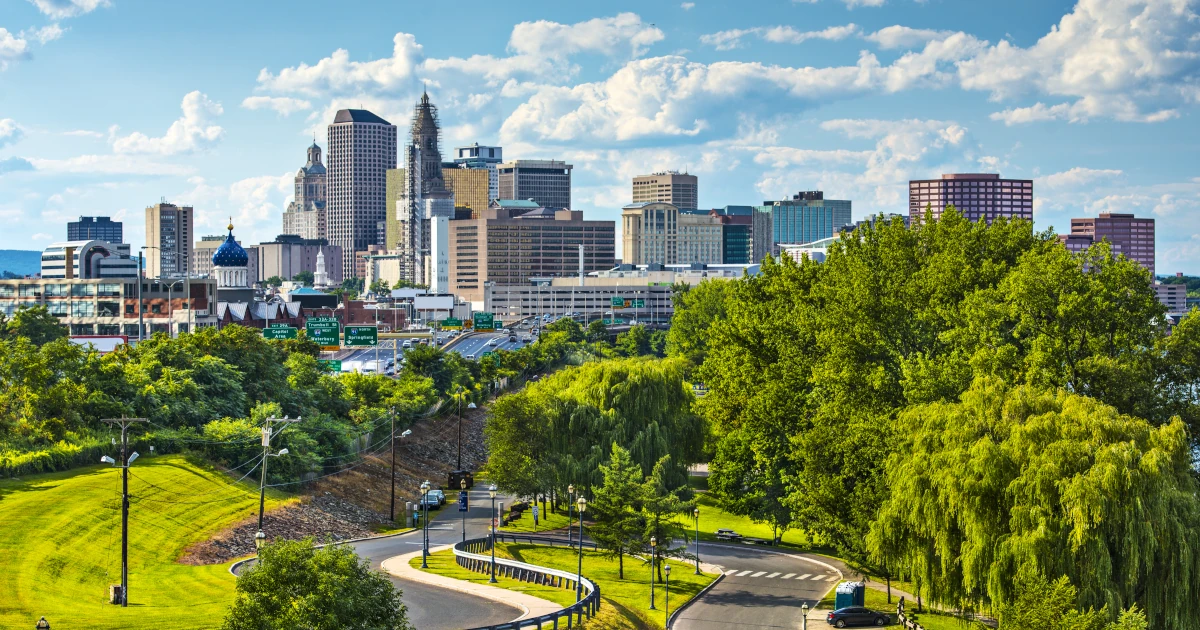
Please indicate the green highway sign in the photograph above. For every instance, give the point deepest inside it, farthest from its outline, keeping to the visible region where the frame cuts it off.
(483, 321)
(487, 354)
(359, 336)
(323, 331)
(277, 331)
(331, 365)
(451, 323)
(618, 302)
(639, 303)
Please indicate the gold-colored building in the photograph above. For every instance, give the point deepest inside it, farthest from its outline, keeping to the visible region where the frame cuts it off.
(469, 187)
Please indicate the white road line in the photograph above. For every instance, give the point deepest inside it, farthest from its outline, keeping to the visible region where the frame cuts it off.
(788, 576)
(773, 574)
(831, 578)
(818, 578)
(759, 574)
(731, 572)
(804, 577)
(742, 574)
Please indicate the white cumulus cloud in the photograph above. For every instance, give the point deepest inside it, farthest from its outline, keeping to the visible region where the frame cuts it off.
(59, 9)
(44, 34)
(1077, 177)
(10, 132)
(282, 105)
(730, 39)
(897, 36)
(12, 48)
(190, 132)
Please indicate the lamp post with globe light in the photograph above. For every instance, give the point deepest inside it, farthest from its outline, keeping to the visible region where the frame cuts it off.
(667, 595)
(582, 503)
(653, 551)
(570, 517)
(492, 493)
(462, 483)
(696, 518)
(425, 525)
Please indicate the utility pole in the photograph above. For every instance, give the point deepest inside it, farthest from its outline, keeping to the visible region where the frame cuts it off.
(267, 434)
(124, 424)
(140, 277)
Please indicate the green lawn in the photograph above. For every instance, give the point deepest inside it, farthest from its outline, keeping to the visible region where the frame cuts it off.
(930, 620)
(626, 601)
(713, 518)
(524, 525)
(60, 538)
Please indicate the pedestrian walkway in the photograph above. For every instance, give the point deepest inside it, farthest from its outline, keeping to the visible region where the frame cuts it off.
(777, 575)
(532, 606)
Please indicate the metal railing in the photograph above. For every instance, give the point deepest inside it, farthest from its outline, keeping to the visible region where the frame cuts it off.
(543, 540)
(471, 555)
(903, 619)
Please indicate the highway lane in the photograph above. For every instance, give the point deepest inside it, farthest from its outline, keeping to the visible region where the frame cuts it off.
(761, 589)
(431, 608)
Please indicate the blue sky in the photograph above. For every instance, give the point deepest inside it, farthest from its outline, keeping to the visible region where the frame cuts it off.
(107, 106)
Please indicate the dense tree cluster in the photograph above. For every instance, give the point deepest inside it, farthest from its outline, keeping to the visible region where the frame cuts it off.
(958, 402)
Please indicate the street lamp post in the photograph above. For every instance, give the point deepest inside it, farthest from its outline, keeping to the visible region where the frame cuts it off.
(492, 493)
(425, 525)
(804, 616)
(579, 571)
(653, 550)
(462, 483)
(696, 518)
(667, 595)
(570, 516)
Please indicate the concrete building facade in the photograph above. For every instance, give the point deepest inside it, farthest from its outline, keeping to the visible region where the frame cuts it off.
(106, 306)
(362, 147)
(305, 216)
(169, 232)
(289, 255)
(808, 216)
(701, 238)
(678, 189)
(86, 260)
(656, 232)
(96, 229)
(977, 196)
(546, 182)
(508, 246)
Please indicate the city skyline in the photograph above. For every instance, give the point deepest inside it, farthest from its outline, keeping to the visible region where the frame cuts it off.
(895, 92)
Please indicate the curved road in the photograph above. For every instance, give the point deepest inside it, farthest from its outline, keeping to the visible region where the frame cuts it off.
(430, 608)
(762, 589)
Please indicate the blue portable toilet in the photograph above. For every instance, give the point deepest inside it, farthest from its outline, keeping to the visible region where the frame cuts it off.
(850, 594)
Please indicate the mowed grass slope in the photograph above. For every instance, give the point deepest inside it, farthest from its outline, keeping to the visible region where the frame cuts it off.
(60, 540)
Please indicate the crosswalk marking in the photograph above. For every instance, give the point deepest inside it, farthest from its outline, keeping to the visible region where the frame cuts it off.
(773, 574)
(788, 576)
(759, 574)
(743, 573)
(819, 577)
(731, 572)
(804, 577)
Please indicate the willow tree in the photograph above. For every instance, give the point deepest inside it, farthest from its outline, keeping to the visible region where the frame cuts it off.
(1015, 480)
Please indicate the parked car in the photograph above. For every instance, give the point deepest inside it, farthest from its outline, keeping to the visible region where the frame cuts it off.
(856, 616)
(441, 496)
(429, 501)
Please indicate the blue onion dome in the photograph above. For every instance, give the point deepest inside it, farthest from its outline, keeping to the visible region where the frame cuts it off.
(230, 254)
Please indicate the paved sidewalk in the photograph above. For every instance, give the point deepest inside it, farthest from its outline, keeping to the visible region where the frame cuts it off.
(532, 606)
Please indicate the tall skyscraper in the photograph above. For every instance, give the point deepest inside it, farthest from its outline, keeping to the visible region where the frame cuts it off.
(469, 187)
(95, 229)
(673, 187)
(423, 195)
(169, 230)
(362, 147)
(546, 182)
(484, 158)
(806, 217)
(977, 196)
(305, 216)
(1127, 234)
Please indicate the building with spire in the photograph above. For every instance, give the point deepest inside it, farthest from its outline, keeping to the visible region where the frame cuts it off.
(423, 198)
(320, 276)
(305, 215)
(231, 268)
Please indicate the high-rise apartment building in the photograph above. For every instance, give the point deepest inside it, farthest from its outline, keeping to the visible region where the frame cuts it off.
(977, 196)
(88, 259)
(657, 232)
(673, 187)
(169, 230)
(1128, 235)
(95, 229)
(546, 182)
(362, 147)
(305, 216)
(482, 158)
(511, 243)
(806, 217)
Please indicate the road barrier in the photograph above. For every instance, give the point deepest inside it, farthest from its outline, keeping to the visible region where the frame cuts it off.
(903, 619)
(472, 555)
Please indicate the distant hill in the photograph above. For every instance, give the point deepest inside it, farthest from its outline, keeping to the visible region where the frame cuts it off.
(20, 262)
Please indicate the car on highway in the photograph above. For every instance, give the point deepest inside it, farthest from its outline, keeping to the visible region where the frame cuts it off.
(407, 343)
(512, 338)
(856, 616)
(493, 341)
(470, 357)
